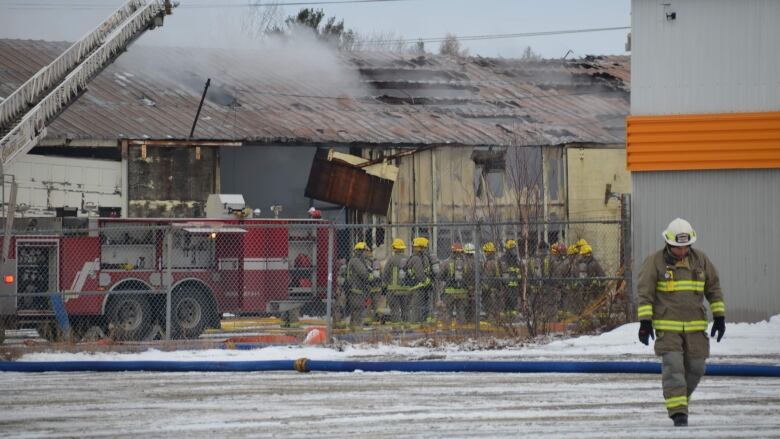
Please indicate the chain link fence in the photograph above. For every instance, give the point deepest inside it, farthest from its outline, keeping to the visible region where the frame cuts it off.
(271, 281)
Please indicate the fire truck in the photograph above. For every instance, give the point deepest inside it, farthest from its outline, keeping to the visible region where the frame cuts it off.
(43, 262)
(115, 275)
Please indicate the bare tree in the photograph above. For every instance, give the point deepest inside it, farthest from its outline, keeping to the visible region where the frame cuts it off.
(530, 55)
(451, 46)
(262, 19)
(525, 172)
(419, 47)
(381, 41)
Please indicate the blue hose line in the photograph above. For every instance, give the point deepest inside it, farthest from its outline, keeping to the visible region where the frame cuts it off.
(146, 366)
(304, 365)
(533, 367)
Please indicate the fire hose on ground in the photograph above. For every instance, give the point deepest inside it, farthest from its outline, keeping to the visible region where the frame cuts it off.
(306, 365)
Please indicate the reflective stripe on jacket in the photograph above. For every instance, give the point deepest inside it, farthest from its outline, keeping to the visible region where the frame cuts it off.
(391, 274)
(672, 295)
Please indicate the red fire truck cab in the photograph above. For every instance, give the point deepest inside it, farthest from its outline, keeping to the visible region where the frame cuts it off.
(115, 273)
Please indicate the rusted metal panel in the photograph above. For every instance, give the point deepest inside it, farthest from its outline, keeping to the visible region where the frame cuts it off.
(340, 183)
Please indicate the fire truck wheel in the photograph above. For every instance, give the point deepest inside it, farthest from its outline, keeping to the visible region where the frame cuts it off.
(129, 317)
(93, 333)
(190, 314)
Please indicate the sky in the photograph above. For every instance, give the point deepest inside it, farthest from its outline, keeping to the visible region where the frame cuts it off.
(223, 23)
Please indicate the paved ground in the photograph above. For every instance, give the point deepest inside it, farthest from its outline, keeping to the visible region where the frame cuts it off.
(385, 405)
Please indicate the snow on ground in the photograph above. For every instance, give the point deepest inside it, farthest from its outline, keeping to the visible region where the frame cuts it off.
(394, 404)
(743, 341)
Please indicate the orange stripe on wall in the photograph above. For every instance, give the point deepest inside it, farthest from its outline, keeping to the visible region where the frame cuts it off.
(703, 141)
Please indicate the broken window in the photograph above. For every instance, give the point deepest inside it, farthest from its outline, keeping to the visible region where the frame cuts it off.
(495, 181)
(489, 171)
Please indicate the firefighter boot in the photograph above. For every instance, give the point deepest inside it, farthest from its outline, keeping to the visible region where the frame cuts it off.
(680, 419)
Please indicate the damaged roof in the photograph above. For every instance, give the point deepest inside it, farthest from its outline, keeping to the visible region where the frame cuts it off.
(287, 96)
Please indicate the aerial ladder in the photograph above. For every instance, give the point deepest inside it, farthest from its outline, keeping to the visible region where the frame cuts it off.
(25, 114)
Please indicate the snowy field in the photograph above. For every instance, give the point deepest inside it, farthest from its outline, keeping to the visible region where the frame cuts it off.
(392, 404)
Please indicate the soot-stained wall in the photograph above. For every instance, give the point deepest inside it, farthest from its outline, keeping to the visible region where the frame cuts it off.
(171, 182)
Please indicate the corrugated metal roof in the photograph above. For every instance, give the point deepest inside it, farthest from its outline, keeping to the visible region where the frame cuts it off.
(362, 98)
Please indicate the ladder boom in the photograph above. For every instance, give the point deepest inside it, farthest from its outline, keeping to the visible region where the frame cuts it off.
(51, 74)
(67, 76)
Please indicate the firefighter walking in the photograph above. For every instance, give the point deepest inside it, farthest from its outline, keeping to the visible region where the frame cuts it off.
(672, 285)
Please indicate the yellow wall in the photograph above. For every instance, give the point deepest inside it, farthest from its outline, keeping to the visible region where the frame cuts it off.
(589, 171)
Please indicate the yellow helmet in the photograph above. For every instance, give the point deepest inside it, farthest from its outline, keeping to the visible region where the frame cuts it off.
(510, 244)
(585, 250)
(420, 241)
(361, 246)
(572, 250)
(489, 247)
(399, 244)
(581, 242)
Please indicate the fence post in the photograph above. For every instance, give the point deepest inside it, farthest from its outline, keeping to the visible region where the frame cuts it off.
(329, 303)
(477, 283)
(628, 260)
(168, 283)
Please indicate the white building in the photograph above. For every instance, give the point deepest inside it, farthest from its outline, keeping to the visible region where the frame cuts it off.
(703, 138)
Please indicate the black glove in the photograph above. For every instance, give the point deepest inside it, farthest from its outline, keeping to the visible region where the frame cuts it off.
(719, 327)
(646, 331)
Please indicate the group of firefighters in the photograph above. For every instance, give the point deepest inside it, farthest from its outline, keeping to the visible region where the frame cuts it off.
(419, 288)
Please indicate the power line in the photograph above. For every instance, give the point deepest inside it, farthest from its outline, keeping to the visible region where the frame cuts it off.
(49, 5)
(495, 36)
(308, 3)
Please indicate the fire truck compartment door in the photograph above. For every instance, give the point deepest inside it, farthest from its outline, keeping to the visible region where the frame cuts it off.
(8, 288)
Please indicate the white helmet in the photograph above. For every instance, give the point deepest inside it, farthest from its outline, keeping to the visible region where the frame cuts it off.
(679, 233)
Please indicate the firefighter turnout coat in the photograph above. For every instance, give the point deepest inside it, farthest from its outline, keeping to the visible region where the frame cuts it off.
(671, 292)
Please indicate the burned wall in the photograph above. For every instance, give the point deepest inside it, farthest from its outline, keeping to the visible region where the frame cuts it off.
(273, 175)
(170, 182)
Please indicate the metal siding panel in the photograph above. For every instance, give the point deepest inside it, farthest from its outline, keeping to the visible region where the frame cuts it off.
(703, 141)
(48, 182)
(735, 215)
(690, 65)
